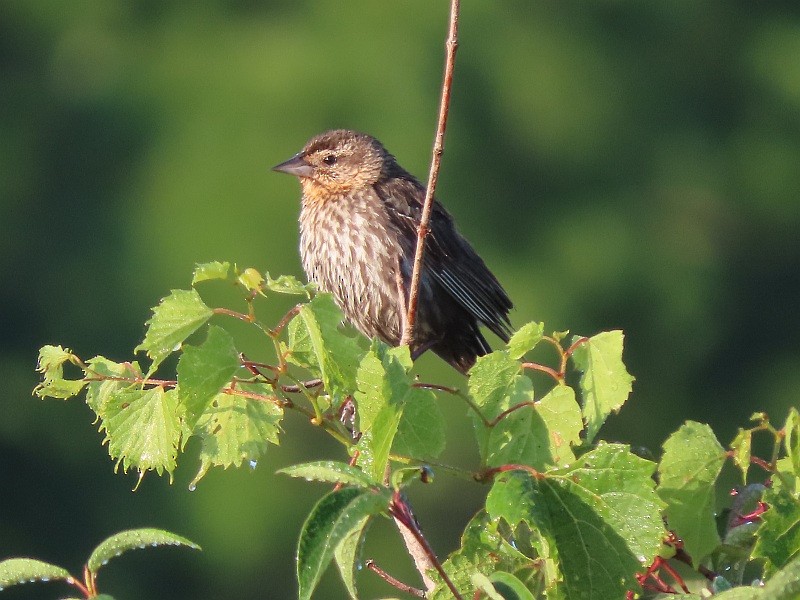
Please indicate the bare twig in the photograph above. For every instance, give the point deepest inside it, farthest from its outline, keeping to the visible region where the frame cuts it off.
(422, 553)
(438, 149)
(403, 587)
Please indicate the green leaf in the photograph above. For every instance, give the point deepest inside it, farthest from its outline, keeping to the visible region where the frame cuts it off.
(329, 471)
(175, 318)
(791, 439)
(509, 587)
(605, 383)
(99, 392)
(562, 416)
(484, 586)
(492, 380)
(251, 279)
(210, 270)
(348, 556)
(540, 434)
(317, 343)
(495, 384)
(525, 339)
(131, 540)
(779, 534)
(235, 429)
(600, 517)
(741, 445)
(15, 571)
(51, 366)
(785, 584)
(689, 469)
(202, 372)
(287, 284)
(142, 429)
(421, 432)
(479, 541)
(333, 518)
(384, 390)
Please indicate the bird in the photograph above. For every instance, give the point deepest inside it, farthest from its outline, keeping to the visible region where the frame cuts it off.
(359, 216)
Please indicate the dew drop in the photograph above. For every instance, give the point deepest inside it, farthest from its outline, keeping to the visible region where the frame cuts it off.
(253, 464)
(192, 487)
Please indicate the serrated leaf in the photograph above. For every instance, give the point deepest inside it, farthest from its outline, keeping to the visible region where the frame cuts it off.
(562, 415)
(688, 470)
(251, 279)
(333, 518)
(236, 429)
(330, 471)
(495, 384)
(131, 540)
(384, 389)
(421, 432)
(741, 445)
(203, 371)
(605, 383)
(779, 535)
(492, 380)
(142, 429)
(99, 392)
(175, 318)
(51, 366)
(287, 284)
(525, 339)
(317, 343)
(348, 556)
(15, 571)
(600, 517)
(210, 270)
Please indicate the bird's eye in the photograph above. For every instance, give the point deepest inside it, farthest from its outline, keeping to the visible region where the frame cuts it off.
(330, 159)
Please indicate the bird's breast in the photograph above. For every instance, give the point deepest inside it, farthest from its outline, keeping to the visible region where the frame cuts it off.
(349, 248)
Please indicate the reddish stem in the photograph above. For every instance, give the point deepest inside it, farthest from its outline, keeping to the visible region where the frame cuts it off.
(436, 161)
(403, 587)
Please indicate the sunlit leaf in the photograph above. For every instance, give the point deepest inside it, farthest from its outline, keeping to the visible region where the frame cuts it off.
(605, 382)
(210, 270)
(132, 540)
(175, 318)
(142, 429)
(15, 571)
(202, 372)
(688, 470)
(331, 521)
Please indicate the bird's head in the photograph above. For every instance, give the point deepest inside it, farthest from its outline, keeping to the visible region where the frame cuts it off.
(337, 162)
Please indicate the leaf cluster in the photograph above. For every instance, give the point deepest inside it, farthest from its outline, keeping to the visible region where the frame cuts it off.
(566, 515)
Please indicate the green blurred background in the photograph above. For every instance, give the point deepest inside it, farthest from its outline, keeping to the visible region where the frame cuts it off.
(629, 165)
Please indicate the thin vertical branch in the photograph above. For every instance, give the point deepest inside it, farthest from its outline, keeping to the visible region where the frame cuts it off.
(420, 551)
(451, 46)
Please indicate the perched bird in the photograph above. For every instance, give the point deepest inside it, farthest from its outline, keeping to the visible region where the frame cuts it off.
(358, 234)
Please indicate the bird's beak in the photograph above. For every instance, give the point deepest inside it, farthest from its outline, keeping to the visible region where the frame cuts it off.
(295, 166)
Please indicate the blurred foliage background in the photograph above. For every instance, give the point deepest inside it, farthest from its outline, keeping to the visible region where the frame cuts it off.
(617, 164)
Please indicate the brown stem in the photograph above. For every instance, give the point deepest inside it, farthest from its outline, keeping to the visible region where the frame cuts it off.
(489, 474)
(234, 314)
(438, 149)
(436, 387)
(396, 583)
(508, 411)
(421, 552)
(285, 320)
(558, 376)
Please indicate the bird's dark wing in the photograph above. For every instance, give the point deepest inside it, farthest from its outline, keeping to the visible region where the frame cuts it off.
(449, 258)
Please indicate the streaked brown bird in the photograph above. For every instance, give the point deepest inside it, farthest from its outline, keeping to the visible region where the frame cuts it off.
(358, 233)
